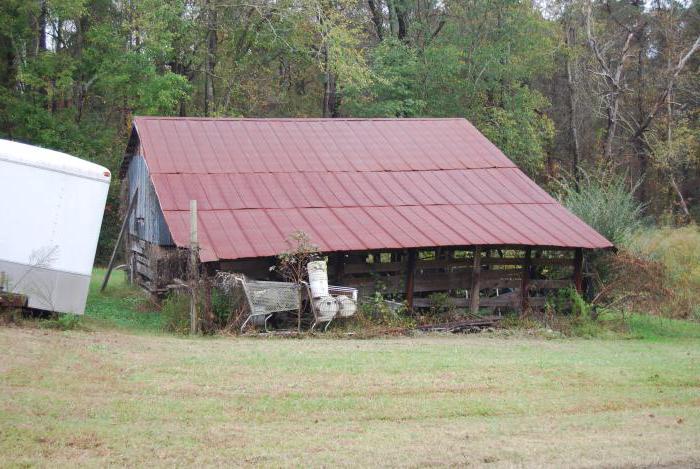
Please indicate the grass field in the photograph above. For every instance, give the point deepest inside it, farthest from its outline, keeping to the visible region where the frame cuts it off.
(109, 396)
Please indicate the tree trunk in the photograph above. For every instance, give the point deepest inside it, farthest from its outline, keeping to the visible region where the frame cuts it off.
(209, 58)
(41, 27)
(575, 152)
(377, 19)
(331, 100)
(669, 149)
(391, 7)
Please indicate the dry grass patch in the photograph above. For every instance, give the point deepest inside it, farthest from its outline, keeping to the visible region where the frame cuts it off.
(106, 398)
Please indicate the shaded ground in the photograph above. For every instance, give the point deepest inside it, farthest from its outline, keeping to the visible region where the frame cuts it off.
(101, 398)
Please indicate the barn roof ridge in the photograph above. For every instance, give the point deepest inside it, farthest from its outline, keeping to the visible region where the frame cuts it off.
(336, 171)
(300, 119)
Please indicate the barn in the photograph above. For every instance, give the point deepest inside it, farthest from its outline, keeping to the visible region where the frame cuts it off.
(407, 207)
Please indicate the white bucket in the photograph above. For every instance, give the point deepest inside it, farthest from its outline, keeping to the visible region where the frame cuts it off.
(318, 278)
(327, 307)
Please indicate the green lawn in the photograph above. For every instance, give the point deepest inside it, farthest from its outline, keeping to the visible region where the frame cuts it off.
(120, 306)
(112, 397)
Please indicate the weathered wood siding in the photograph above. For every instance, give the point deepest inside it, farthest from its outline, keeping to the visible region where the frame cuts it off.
(148, 222)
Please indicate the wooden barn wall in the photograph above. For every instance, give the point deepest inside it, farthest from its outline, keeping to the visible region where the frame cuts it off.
(147, 222)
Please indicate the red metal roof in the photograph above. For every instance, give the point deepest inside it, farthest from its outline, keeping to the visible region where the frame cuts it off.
(350, 184)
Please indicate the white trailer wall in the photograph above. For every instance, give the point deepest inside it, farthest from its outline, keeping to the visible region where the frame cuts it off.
(51, 207)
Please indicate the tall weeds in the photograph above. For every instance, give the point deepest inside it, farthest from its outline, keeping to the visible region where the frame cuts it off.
(678, 250)
(606, 202)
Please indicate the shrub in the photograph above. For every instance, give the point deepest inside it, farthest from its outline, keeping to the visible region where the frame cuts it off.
(606, 202)
(377, 310)
(678, 251)
(63, 322)
(176, 313)
(10, 316)
(292, 264)
(440, 305)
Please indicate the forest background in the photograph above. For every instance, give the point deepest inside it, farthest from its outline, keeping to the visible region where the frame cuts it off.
(571, 90)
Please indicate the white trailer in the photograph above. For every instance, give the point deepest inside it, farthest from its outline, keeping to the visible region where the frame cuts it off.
(51, 207)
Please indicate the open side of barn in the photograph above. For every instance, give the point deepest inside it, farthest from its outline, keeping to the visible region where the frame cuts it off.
(422, 210)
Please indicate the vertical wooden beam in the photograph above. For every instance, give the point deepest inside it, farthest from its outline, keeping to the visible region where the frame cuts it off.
(132, 271)
(338, 267)
(525, 282)
(194, 267)
(476, 282)
(410, 275)
(578, 270)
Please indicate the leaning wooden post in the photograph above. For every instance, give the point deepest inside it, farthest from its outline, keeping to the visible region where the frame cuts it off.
(525, 282)
(125, 224)
(194, 267)
(410, 278)
(578, 270)
(476, 282)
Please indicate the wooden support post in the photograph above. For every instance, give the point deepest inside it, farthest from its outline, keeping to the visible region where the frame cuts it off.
(132, 271)
(194, 267)
(525, 282)
(338, 267)
(125, 224)
(578, 270)
(410, 276)
(476, 282)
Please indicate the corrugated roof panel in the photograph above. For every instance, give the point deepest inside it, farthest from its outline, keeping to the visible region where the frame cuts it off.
(485, 217)
(592, 237)
(471, 233)
(405, 230)
(433, 227)
(513, 215)
(350, 184)
(460, 189)
(541, 216)
(217, 230)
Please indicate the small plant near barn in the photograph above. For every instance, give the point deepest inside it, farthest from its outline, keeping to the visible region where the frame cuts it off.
(10, 316)
(441, 305)
(63, 322)
(291, 264)
(176, 313)
(377, 312)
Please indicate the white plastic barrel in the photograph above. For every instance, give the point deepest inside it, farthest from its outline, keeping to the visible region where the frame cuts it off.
(318, 278)
(347, 307)
(327, 307)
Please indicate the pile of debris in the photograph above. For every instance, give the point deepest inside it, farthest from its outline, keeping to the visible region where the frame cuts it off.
(472, 323)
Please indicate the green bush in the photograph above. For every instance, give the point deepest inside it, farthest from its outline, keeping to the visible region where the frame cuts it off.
(176, 313)
(378, 311)
(63, 322)
(606, 202)
(678, 250)
(441, 305)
